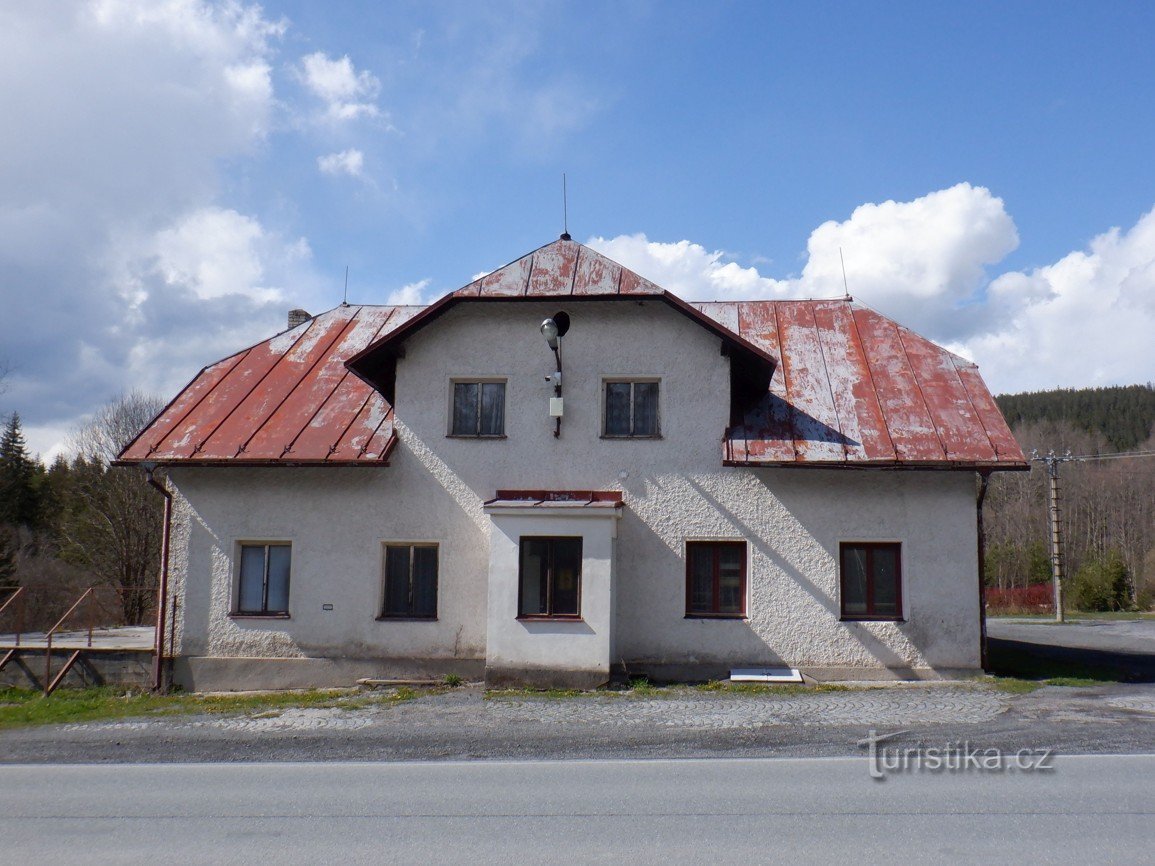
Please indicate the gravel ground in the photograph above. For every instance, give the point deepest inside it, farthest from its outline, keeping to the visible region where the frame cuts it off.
(466, 723)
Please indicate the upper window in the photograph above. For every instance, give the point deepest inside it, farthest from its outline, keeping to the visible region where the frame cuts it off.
(410, 581)
(264, 580)
(478, 409)
(631, 409)
(871, 577)
(716, 578)
(549, 582)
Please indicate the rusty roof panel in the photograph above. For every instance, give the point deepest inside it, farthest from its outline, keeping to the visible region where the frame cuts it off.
(174, 414)
(1005, 445)
(553, 271)
(289, 399)
(817, 429)
(862, 425)
(509, 281)
(725, 313)
(229, 439)
(632, 284)
(596, 275)
(330, 379)
(962, 435)
(908, 420)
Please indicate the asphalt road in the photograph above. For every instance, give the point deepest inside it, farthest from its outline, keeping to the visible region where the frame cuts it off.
(1085, 809)
(1119, 650)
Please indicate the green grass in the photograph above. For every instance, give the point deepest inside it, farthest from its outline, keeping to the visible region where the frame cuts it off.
(491, 694)
(770, 688)
(1073, 682)
(24, 708)
(1020, 686)
(1016, 686)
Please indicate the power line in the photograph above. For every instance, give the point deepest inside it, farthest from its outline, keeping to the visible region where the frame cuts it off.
(1121, 455)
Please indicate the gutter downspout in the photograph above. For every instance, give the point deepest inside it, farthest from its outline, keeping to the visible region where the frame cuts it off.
(984, 481)
(158, 678)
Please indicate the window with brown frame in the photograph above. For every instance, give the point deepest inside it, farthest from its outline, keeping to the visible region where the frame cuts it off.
(410, 581)
(550, 578)
(871, 580)
(716, 579)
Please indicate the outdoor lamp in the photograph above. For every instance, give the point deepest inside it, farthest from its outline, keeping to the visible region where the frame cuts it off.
(549, 331)
(552, 331)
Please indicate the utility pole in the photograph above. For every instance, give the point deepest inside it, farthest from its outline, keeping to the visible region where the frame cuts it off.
(1052, 462)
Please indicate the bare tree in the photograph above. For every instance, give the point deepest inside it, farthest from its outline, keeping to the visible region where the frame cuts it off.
(113, 526)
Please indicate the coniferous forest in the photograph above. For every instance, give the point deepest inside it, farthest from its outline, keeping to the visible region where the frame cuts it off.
(80, 523)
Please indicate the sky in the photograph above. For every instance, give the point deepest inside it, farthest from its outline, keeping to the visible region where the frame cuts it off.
(176, 174)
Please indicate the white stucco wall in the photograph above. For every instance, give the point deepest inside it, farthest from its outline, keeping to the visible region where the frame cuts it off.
(675, 490)
(518, 649)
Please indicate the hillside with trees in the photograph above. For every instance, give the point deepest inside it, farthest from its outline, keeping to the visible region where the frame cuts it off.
(1123, 416)
(1107, 507)
(79, 523)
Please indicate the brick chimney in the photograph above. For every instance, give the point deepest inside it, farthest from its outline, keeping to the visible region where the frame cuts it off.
(298, 317)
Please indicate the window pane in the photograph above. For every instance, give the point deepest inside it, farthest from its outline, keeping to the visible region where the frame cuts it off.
(701, 578)
(492, 408)
(853, 580)
(567, 569)
(397, 580)
(534, 559)
(885, 581)
(251, 598)
(465, 407)
(617, 408)
(730, 598)
(425, 581)
(278, 591)
(645, 409)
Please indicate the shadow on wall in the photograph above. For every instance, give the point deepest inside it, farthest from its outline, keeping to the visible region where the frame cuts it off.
(875, 648)
(774, 418)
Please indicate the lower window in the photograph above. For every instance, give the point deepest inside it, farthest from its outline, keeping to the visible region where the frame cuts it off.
(264, 580)
(550, 577)
(871, 579)
(410, 581)
(716, 578)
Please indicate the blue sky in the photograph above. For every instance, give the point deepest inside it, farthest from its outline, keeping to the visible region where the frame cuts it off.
(184, 172)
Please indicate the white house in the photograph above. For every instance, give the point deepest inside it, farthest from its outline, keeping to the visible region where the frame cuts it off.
(413, 491)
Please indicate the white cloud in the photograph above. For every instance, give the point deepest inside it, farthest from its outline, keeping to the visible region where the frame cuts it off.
(118, 266)
(350, 162)
(1085, 320)
(412, 293)
(689, 270)
(347, 93)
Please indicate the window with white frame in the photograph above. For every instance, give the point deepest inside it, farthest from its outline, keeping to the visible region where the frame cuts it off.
(477, 408)
(631, 409)
(263, 579)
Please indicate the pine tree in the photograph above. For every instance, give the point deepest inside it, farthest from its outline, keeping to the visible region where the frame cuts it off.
(19, 499)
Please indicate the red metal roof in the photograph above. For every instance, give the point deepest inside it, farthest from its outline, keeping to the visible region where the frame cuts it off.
(287, 401)
(855, 388)
(561, 269)
(849, 387)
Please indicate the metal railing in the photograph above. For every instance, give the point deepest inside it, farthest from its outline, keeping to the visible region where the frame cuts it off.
(16, 601)
(50, 684)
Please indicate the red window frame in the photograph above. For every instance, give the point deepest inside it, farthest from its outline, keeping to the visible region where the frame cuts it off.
(870, 613)
(715, 603)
